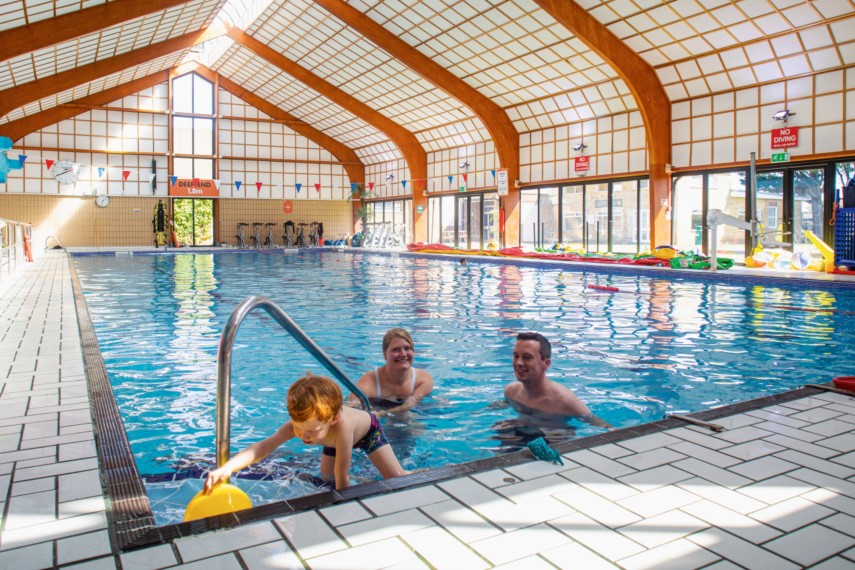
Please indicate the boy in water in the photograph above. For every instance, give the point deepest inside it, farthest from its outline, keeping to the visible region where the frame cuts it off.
(318, 417)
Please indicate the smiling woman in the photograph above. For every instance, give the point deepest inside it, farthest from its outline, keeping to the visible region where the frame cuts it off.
(397, 383)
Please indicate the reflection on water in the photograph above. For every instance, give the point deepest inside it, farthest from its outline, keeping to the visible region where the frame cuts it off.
(657, 346)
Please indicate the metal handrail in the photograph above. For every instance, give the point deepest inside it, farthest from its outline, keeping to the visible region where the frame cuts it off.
(224, 365)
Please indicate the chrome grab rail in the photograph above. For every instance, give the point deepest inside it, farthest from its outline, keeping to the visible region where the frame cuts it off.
(224, 365)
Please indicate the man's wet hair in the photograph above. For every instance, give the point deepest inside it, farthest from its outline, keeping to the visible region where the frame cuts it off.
(545, 347)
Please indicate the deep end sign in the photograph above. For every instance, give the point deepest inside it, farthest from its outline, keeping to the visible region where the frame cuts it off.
(785, 138)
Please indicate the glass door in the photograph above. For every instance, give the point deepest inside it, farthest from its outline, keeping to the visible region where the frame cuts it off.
(194, 221)
(597, 217)
(687, 213)
(462, 222)
(475, 223)
(808, 186)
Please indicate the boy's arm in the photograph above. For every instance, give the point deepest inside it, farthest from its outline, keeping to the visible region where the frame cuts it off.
(255, 452)
(343, 454)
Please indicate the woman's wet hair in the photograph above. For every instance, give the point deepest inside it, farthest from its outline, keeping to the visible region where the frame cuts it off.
(545, 347)
(394, 333)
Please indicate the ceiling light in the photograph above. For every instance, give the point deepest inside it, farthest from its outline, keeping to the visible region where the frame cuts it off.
(390, 176)
(580, 146)
(783, 115)
(463, 165)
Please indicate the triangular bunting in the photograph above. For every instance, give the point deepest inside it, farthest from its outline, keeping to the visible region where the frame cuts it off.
(371, 186)
(217, 183)
(125, 174)
(75, 167)
(450, 179)
(22, 158)
(195, 182)
(317, 187)
(465, 179)
(173, 180)
(353, 187)
(493, 172)
(48, 163)
(258, 185)
(298, 185)
(404, 184)
(237, 184)
(101, 171)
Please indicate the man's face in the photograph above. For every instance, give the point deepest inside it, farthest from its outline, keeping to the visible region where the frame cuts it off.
(528, 365)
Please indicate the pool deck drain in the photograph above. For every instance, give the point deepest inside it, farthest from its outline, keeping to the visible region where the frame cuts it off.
(775, 488)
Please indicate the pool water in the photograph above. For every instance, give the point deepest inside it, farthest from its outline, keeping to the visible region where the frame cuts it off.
(656, 346)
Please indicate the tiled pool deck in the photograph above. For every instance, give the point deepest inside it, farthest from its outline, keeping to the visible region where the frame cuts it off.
(776, 489)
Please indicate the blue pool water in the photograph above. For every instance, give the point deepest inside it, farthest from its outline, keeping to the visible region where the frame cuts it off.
(658, 346)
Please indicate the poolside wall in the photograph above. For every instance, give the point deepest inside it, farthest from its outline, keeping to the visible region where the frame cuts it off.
(126, 222)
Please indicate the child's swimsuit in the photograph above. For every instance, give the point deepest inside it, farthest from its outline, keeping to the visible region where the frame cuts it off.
(370, 442)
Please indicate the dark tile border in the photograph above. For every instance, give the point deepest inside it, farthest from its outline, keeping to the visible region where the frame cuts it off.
(132, 523)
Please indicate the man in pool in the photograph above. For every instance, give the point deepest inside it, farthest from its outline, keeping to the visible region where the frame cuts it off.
(318, 417)
(538, 400)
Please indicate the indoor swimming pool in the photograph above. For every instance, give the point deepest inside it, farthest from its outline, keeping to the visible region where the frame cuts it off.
(660, 344)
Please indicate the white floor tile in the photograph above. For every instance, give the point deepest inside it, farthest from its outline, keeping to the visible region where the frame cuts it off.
(739, 551)
(310, 535)
(213, 543)
(608, 543)
(404, 500)
(764, 468)
(655, 478)
(520, 543)
(811, 544)
(386, 526)
(660, 529)
(464, 523)
(575, 555)
(792, 514)
(598, 508)
(677, 555)
(270, 556)
(159, 556)
(742, 526)
(345, 513)
(383, 554)
(442, 550)
(535, 488)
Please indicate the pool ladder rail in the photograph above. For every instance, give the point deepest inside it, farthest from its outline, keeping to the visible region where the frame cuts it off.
(224, 365)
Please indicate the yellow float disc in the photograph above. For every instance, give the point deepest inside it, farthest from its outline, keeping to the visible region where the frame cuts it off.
(223, 499)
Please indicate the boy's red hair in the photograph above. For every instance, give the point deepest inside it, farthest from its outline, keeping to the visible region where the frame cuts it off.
(314, 397)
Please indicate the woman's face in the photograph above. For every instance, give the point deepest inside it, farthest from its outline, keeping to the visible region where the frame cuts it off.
(399, 353)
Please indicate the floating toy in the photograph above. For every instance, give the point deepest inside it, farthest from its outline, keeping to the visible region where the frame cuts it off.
(543, 452)
(666, 252)
(604, 288)
(824, 249)
(6, 163)
(845, 383)
(224, 499)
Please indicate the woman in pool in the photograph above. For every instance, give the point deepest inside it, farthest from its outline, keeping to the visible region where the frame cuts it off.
(397, 382)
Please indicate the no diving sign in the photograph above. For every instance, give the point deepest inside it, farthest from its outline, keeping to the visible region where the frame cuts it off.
(785, 138)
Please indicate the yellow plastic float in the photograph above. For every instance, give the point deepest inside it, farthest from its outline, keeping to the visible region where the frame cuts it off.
(224, 498)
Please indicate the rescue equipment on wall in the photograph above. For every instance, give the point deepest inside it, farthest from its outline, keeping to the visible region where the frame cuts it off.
(159, 223)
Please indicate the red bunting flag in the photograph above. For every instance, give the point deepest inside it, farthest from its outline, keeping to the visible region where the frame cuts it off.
(48, 163)
(258, 185)
(317, 187)
(371, 186)
(125, 174)
(195, 182)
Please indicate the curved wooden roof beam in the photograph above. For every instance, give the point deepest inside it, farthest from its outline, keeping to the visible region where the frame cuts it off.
(52, 31)
(346, 155)
(24, 93)
(495, 119)
(407, 143)
(652, 101)
(18, 129)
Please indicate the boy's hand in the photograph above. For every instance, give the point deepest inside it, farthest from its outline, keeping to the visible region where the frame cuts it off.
(214, 478)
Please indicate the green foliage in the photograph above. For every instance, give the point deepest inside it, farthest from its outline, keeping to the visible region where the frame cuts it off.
(194, 221)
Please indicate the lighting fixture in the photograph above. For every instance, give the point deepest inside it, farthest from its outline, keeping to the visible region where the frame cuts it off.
(783, 115)
(580, 146)
(390, 176)
(463, 165)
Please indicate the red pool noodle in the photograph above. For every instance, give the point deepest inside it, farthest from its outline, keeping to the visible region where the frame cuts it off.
(604, 288)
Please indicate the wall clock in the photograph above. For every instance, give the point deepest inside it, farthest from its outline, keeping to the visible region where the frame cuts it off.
(65, 171)
(102, 200)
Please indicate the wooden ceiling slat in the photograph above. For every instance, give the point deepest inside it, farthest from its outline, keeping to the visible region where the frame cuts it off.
(407, 143)
(18, 129)
(25, 93)
(349, 159)
(53, 31)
